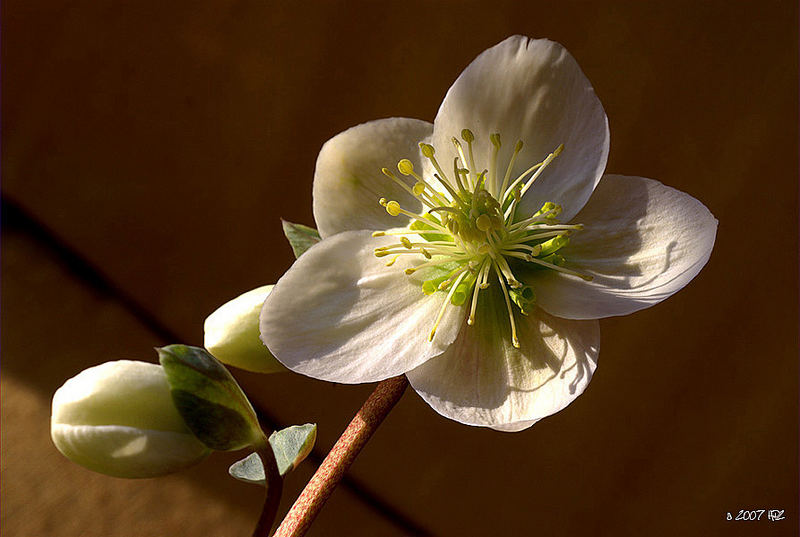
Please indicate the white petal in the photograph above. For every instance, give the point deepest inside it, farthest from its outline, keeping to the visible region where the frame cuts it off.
(534, 91)
(127, 452)
(340, 314)
(643, 242)
(348, 181)
(483, 380)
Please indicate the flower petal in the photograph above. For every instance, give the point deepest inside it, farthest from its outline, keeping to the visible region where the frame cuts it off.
(348, 181)
(483, 380)
(643, 242)
(534, 91)
(340, 314)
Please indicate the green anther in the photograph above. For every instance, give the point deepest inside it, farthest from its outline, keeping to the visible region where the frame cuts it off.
(463, 291)
(554, 244)
(495, 139)
(467, 135)
(431, 286)
(555, 259)
(406, 242)
(427, 149)
(523, 297)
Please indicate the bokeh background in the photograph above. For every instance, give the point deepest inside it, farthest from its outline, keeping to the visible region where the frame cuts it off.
(149, 149)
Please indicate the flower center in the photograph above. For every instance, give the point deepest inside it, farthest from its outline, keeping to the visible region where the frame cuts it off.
(470, 233)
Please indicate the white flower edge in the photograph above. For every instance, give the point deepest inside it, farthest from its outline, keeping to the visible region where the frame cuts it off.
(531, 90)
(642, 243)
(483, 380)
(348, 181)
(339, 314)
(118, 419)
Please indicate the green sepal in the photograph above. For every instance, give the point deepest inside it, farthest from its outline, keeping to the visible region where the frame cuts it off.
(250, 470)
(208, 398)
(290, 447)
(416, 225)
(300, 237)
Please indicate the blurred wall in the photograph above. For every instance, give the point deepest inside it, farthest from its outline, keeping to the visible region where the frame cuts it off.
(150, 148)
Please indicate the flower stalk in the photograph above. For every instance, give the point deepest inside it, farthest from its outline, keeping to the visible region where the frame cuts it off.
(274, 491)
(341, 456)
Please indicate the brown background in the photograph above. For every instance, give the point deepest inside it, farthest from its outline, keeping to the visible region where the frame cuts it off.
(149, 149)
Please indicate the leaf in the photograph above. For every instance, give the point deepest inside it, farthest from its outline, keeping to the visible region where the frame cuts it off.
(250, 470)
(292, 444)
(208, 398)
(300, 237)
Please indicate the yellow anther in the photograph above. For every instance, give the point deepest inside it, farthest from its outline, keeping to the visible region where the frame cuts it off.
(410, 271)
(484, 223)
(558, 150)
(518, 147)
(392, 207)
(378, 233)
(382, 201)
(406, 242)
(380, 253)
(426, 253)
(418, 189)
(405, 167)
(495, 139)
(467, 135)
(427, 149)
(388, 173)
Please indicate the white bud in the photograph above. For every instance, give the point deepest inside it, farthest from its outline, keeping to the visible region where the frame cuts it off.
(232, 333)
(118, 419)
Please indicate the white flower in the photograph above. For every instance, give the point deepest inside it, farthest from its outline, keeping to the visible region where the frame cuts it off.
(514, 245)
(118, 419)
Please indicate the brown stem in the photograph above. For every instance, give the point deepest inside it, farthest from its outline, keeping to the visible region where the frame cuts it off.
(344, 452)
(274, 490)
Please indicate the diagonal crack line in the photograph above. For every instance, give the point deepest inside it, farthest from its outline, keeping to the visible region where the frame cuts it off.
(13, 217)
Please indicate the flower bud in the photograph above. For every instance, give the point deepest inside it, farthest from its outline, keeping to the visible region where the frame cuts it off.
(118, 419)
(232, 333)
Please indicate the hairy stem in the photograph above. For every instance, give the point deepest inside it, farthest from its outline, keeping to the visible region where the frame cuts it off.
(344, 452)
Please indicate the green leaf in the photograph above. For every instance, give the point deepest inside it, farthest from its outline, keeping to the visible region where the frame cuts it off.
(292, 445)
(250, 470)
(300, 237)
(208, 399)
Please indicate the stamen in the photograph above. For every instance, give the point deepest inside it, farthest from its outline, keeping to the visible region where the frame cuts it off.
(444, 305)
(585, 277)
(393, 208)
(495, 139)
(517, 149)
(406, 167)
(514, 340)
(468, 137)
(463, 159)
(481, 274)
(547, 161)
